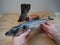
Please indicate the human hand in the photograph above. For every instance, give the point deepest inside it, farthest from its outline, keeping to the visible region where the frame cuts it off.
(50, 29)
(21, 39)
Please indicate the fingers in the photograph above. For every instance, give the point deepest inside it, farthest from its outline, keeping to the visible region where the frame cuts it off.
(43, 26)
(48, 23)
(26, 34)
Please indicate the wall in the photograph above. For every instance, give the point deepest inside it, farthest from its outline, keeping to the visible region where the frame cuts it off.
(0, 7)
(36, 5)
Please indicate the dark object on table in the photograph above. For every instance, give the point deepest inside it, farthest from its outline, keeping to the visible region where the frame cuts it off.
(50, 18)
(24, 10)
(33, 17)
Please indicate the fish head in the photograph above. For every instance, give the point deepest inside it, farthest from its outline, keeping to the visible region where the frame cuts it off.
(12, 32)
(15, 31)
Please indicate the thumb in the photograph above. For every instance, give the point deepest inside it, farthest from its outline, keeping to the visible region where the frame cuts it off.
(26, 34)
(43, 26)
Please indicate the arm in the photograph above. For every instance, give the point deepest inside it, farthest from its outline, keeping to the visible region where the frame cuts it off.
(57, 38)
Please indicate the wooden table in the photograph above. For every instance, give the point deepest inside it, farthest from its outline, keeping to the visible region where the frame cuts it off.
(8, 21)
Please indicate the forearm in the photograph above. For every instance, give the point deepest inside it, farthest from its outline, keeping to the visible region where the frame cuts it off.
(57, 38)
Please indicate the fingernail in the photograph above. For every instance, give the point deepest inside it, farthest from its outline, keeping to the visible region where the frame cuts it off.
(29, 29)
(41, 23)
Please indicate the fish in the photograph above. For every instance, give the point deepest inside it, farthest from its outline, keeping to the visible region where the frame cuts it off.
(19, 29)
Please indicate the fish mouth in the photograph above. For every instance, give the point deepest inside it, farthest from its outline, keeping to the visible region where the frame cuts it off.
(12, 32)
(8, 34)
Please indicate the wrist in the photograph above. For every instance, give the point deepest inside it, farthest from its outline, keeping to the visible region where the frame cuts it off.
(56, 34)
(56, 37)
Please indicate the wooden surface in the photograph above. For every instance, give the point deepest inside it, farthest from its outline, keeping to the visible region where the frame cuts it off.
(8, 21)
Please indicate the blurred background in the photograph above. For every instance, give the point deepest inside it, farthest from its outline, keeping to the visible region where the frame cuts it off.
(36, 5)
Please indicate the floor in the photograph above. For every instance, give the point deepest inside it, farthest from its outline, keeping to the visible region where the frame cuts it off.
(8, 21)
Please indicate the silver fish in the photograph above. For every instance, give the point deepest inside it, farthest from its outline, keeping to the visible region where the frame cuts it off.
(33, 24)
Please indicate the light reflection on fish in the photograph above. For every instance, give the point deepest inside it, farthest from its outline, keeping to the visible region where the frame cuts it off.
(33, 24)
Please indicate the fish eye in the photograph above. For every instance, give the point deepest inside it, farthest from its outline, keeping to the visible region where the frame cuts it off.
(24, 27)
